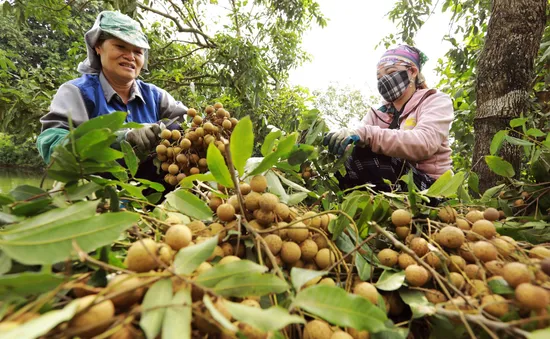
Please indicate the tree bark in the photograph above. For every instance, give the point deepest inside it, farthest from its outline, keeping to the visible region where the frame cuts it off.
(504, 77)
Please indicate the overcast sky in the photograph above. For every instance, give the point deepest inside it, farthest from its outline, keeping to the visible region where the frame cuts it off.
(344, 51)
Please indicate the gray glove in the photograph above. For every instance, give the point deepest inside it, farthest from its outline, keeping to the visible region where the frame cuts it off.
(144, 138)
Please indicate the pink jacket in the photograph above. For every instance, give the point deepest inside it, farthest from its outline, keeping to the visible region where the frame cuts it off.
(423, 134)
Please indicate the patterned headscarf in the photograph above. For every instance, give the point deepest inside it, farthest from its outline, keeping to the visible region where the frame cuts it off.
(406, 56)
(118, 25)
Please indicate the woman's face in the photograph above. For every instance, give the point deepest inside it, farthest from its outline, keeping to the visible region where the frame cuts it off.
(395, 68)
(120, 60)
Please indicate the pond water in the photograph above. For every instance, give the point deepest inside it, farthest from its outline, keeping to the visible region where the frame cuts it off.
(13, 177)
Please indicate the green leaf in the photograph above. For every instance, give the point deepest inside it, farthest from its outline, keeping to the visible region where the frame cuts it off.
(255, 284)
(38, 327)
(447, 185)
(473, 182)
(26, 192)
(217, 315)
(30, 208)
(5, 264)
(271, 319)
(500, 286)
(187, 182)
(340, 308)
(491, 192)
(217, 166)
(112, 121)
(154, 185)
(364, 269)
(540, 334)
(349, 206)
(189, 258)
(390, 281)
(518, 142)
(497, 141)
(241, 144)
(300, 153)
(300, 276)
(130, 158)
(53, 242)
(283, 149)
(269, 142)
(189, 204)
(28, 283)
(500, 166)
(102, 153)
(154, 306)
(535, 132)
(177, 319)
(418, 303)
(314, 131)
(80, 192)
(5, 199)
(220, 272)
(92, 139)
(518, 122)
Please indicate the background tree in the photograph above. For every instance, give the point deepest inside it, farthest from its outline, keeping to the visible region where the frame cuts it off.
(505, 76)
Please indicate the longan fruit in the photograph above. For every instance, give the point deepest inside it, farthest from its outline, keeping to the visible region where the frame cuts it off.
(202, 162)
(340, 335)
(226, 124)
(473, 271)
(282, 211)
(368, 291)
(327, 281)
(191, 112)
(405, 260)
(194, 170)
(298, 232)
(234, 122)
(477, 288)
(311, 220)
(228, 259)
(244, 188)
(450, 237)
(545, 266)
(457, 280)
(419, 246)
(485, 228)
(142, 256)
(197, 120)
(268, 202)
(503, 247)
(317, 329)
(251, 303)
(258, 183)
(214, 203)
(324, 258)
(466, 251)
(402, 232)
(94, 319)
(165, 253)
(161, 149)
(516, 273)
(531, 296)
(234, 201)
(463, 224)
(173, 169)
(125, 282)
(176, 135)
(539, 252)
(401, 217)
(474, 216)
(435, 296)
(309, 249)
(388, 257)
(447, 214)
(178, 237)
(185, 144)
(494, 267)
(290, 252)
(325, 220)
(519, 203)
(166, 134)
(358, 334)
(495, 305)
(208, 127)
(457, 263)
(484, 251)
(220, 113)
(433, 260)
(196, 226)
(252, 201)
(255, 225)
(274, 243)
(416, 275)
(320, 241)
(263, 217)
(227, 249)
(226, 212)
(491, 214)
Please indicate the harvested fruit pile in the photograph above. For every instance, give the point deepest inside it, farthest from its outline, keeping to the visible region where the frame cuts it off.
(183, 155)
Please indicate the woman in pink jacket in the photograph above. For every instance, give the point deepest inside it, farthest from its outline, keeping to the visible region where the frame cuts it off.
(408, 133)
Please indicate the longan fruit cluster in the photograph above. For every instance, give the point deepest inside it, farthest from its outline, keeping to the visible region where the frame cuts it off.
(183, 153)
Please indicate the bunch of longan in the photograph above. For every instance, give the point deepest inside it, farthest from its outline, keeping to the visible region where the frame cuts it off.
(470, 254)
(182, 154)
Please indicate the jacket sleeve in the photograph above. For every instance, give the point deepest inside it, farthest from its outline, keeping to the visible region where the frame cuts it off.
(66, 102)
(419, 143)
(170, 108)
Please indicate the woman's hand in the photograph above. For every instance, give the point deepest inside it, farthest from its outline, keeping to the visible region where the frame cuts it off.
(145, 138)
(337, 142)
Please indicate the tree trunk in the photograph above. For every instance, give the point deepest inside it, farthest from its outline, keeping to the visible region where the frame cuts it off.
(504, 77)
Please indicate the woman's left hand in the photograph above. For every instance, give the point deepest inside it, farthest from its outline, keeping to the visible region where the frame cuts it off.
(337, 142)
(145, 138)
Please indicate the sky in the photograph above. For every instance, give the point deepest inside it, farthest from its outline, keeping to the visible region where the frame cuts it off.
(344, 51)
